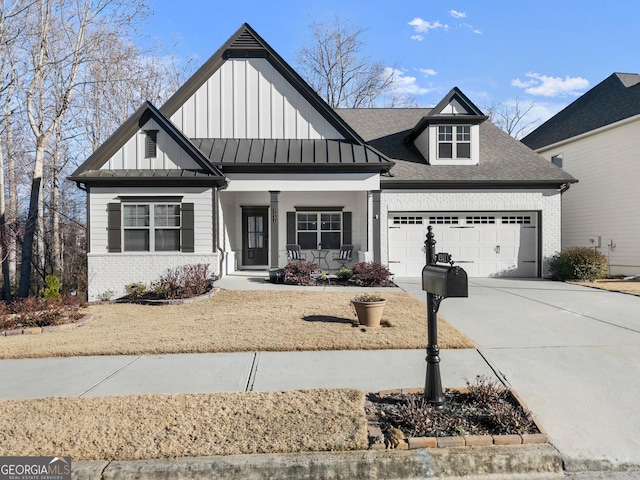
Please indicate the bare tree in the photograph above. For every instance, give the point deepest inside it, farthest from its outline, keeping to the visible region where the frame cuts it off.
(513, 117)
(337, 70)
(63, 42)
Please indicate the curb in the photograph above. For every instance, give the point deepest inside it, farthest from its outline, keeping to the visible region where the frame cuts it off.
(422, 463)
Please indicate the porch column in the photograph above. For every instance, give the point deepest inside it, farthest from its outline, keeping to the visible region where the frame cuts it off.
(377, 251)
(274, 237)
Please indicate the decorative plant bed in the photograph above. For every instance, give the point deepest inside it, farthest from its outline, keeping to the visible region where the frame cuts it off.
(482, 414)
(153, 299)
(35, 330)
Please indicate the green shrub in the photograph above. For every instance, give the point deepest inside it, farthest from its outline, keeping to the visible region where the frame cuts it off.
(578, 263)
(51, 287)
(135, 290)
(344, 274)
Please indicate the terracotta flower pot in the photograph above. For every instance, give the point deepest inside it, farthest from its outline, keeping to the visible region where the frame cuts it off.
(369, 313)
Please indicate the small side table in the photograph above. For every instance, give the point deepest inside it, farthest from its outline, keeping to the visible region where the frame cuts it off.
(320, 256)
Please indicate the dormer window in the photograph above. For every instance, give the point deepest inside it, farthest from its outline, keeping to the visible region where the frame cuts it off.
(454, 141)
(450, 133)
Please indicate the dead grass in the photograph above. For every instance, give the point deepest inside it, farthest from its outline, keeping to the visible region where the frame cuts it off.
(233, 321)
(166, 426)
(631, 287)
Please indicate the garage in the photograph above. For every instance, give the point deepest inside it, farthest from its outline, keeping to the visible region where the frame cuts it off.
(485, 244)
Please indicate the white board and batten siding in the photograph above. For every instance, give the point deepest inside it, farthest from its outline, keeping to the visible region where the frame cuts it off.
(604, 203)
(249, 98)
(169, 155)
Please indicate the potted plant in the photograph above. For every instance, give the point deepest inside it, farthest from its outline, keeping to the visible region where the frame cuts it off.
(369, 309)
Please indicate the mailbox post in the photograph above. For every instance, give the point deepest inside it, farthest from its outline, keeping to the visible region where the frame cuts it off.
(439, 282)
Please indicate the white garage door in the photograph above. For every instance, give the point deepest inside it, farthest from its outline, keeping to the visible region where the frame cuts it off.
(484, 244)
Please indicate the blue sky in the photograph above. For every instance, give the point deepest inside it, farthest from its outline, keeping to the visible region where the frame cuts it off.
(495, 51)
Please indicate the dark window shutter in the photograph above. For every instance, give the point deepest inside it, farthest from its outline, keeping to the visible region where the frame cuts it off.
(346, 228)
(114, 228)
(291, 228)
(187, 228)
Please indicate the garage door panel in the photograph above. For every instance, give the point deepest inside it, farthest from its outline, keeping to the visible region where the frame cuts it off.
(484, 244)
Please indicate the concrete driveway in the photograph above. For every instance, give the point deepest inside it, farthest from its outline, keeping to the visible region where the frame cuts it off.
(571, 352)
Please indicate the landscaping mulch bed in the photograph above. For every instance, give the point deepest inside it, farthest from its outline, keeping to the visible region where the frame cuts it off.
(482, 411)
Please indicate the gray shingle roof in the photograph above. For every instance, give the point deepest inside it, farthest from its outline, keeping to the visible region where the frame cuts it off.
(282, 155)
(614, 99)
(503, 160)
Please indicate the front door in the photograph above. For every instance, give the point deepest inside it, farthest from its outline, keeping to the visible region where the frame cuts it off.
(255, 235)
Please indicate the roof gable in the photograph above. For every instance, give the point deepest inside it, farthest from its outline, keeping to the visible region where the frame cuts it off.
(245, 44)
(131, 127)
(455, 107)
(612, 100)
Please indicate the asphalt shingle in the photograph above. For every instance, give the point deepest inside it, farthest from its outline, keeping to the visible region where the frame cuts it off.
(503, 159)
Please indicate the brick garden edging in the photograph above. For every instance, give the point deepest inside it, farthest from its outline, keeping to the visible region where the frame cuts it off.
(377, 439)
(175, 301)
(49, 328)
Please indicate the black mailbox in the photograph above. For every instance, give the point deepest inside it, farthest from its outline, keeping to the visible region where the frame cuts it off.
(446, 281)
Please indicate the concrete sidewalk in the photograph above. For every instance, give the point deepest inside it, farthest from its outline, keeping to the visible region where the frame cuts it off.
(368, 370)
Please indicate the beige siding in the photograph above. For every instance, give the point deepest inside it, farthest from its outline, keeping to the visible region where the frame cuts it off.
(605, 201)
(200, 197)
(169, 154)
(248, 98)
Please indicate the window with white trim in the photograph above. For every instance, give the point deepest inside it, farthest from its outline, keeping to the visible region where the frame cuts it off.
(454, 141)
(319, 228)
(151, 227)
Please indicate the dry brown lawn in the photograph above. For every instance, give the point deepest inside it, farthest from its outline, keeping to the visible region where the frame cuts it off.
(233, 321)
(165, 426)
(631, 287)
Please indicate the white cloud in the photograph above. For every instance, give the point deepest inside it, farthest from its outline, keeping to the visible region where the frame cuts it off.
(427, 72)
(472, 28)
(547, 86)
(456, 14)
(404, 84)
(423, 26)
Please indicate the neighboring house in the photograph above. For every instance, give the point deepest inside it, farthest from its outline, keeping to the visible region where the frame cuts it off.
(597, 139)
(245, 158)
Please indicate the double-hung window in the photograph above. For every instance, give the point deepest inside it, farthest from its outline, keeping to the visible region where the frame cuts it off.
(319, 228)
(454, 141)
(151, 227)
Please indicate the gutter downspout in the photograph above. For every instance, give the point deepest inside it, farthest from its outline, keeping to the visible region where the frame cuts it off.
(564, 187)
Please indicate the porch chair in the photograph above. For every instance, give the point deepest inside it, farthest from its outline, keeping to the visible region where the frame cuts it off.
(294, 253)
(344, 255)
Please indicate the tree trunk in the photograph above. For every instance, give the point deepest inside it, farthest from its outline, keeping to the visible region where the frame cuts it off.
(4, 244)
(54, 209)
(32, 221)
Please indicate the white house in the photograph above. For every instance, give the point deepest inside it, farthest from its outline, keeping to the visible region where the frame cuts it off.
(245, 158)
(597, 139)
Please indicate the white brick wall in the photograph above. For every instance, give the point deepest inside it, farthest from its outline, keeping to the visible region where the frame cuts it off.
(115, 270)
(548, 202)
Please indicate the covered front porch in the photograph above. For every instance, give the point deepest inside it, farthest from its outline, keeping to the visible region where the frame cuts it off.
(259, 218)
